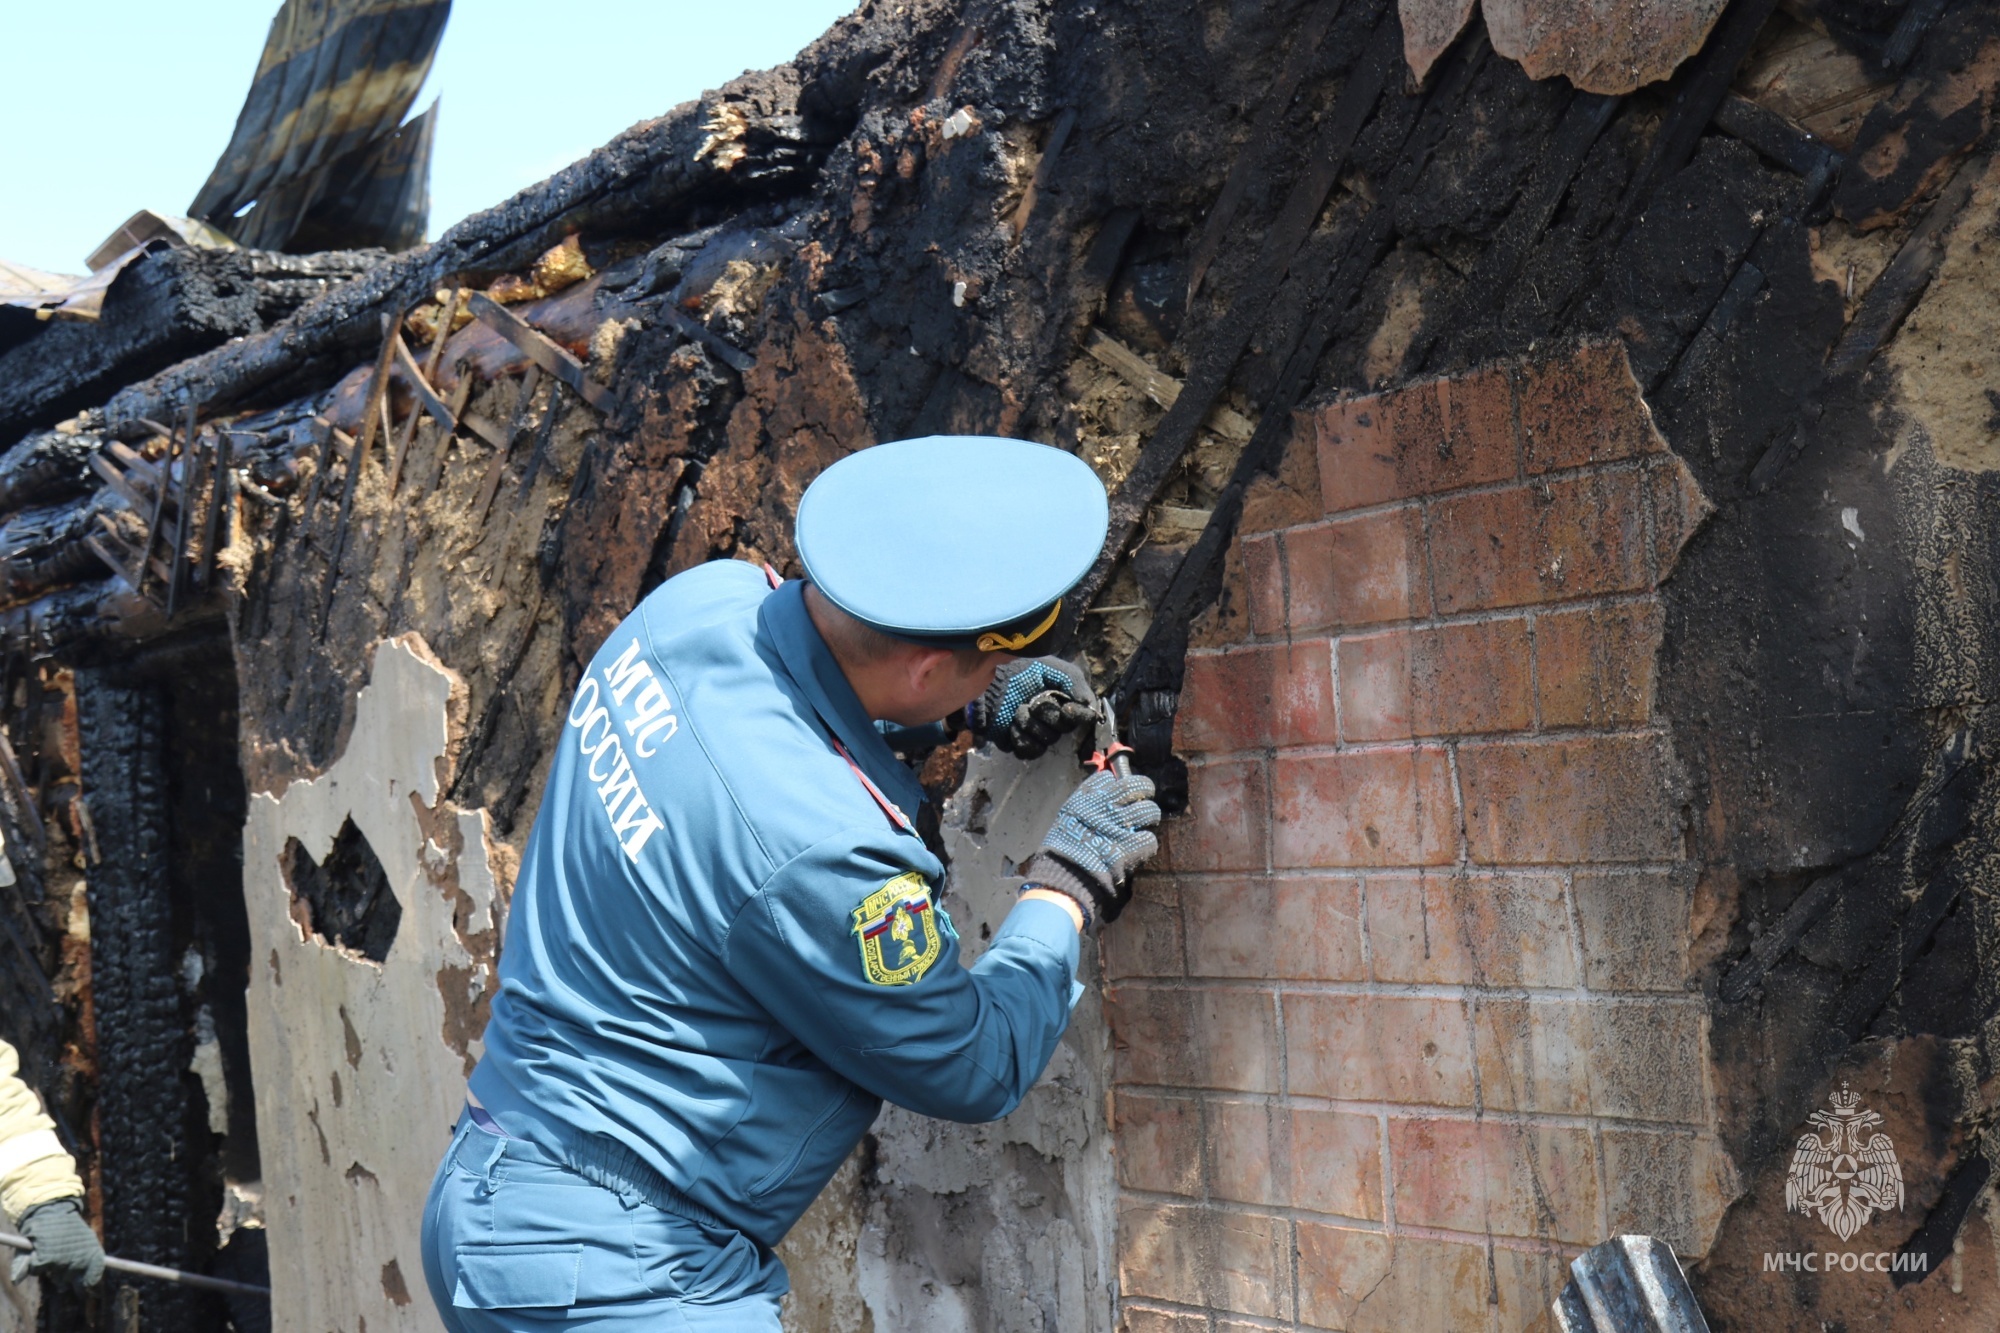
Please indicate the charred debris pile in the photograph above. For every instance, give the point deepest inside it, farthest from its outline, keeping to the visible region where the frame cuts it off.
(1141, 232)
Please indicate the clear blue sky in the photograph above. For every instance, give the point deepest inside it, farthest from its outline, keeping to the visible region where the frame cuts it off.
(110, 106)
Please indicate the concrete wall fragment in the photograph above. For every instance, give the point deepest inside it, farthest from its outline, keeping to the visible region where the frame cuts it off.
(360, 1065)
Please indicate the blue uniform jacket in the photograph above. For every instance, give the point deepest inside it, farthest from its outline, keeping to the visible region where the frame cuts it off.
(723, 952)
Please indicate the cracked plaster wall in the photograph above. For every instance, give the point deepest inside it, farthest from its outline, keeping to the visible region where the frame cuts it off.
(360, 1066)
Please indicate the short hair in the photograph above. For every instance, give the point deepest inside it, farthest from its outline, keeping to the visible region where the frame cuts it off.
(861, 642)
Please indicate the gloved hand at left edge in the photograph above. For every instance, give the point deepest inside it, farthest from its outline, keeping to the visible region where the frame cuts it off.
(1031, 704)
(66, 1249)
(1101, 835)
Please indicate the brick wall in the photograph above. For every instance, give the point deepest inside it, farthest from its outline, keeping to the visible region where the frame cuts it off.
(1404, 1021)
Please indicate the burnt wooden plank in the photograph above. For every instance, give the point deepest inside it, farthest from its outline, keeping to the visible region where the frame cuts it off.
(728, 353)
(217, 498)
(1903, 283)
(541, 349)
(1698, 94)
(189, 484)
(1263, 134)
(1221, 351)
(557, 404)
(374, 408)
(1045, 168)
(1524, 227)
(530, 382)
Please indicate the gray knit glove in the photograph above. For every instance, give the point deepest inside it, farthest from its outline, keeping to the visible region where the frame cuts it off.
(1031, 704)
(1100, 837)
(66, 1249)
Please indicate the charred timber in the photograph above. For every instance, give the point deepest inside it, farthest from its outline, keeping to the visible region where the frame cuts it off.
(762, 140)
(168, 305)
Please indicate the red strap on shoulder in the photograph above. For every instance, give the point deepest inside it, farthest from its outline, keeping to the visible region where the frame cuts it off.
(772, 575)
(889, 807)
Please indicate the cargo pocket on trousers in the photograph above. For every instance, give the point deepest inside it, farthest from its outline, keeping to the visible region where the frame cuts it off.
(514, 1277)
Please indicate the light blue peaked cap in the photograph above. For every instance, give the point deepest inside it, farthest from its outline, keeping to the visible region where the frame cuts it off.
(960, 540)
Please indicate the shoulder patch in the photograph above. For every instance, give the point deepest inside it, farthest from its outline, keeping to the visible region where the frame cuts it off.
(897, 927)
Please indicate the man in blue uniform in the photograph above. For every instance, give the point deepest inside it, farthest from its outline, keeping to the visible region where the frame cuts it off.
(726, 945)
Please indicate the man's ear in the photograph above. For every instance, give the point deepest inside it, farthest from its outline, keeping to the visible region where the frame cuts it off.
(924, 666)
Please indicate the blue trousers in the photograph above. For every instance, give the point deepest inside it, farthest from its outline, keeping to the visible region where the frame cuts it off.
(516, 1242)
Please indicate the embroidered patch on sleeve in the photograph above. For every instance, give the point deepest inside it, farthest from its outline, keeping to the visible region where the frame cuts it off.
(897, 926)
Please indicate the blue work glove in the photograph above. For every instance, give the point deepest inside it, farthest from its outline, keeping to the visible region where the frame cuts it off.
(1031, 704)
(1100, 836)
(66, 1249)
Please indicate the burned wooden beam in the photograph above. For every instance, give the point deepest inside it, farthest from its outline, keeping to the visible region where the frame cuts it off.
(1791, 145)
(375, 408)
(524, 400)
(1277, 100)
(1045, 167)
(1216, 360)
(539, 348)
(162, 308)
(734, 357)
(217, 502)
(649, 171)
(1699, 92)
(1902, 284)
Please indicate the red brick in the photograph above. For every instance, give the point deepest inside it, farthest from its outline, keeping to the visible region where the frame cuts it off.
(1457, 929)
(1678, 509)
(1147, 942)
(1264, 584)
(1525, 1284)
(1321, 1161)
(1379, 1048)
(1354, 571)
(1293, 495)
(1452, 680)
(1159, 1143)
(1428, 438)
(1635, 926)
(1594, 665)
(1646, 1059)
(1592, 798)
(1666, 1184)
(1205, 1258)
(1532, 1055)
(1490, 1177)
(1365, 1282)
(1378, 807)
(1242, 698)
(1228, 813)
(1584, 407)
(1200, 1038)
(1550, 541)
(1305, 929)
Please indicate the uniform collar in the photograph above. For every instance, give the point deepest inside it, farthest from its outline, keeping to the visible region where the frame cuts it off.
(812, 667)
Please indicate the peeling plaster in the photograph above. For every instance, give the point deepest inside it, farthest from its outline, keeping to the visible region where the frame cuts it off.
(1011, 1225)
(360, 1066)
(1006, 1227)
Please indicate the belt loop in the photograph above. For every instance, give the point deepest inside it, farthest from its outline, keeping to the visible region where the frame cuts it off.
(496, 1148)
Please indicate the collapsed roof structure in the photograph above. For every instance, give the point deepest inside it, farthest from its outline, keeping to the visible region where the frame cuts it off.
(1552, 575)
